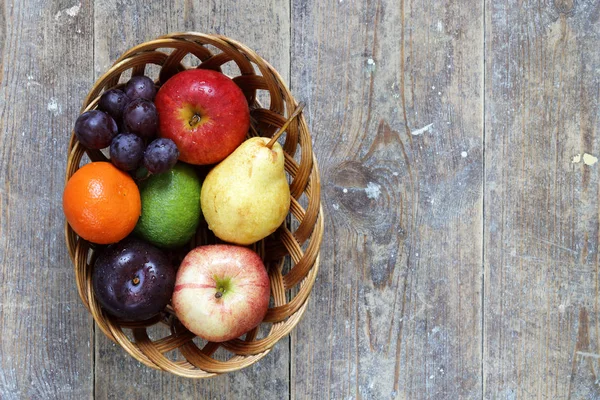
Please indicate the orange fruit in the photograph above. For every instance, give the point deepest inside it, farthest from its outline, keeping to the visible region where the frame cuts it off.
(102, 203)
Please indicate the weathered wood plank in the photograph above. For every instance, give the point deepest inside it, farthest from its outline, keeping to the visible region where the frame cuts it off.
(45, 332)
(394, 93)
(264, 26)
(541, 210)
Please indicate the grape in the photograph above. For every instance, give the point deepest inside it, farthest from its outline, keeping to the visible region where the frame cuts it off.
(113, 102)
(126, 151)
(140, 87)
(95, 129)
(161, 155)
(140, 117)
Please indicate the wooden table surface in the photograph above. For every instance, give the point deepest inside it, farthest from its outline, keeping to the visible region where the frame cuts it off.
(460, 259)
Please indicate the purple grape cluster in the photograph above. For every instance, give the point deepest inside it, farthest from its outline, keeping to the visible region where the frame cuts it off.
(127, 121)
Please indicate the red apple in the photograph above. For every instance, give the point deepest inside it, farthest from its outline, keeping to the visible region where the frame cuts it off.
(221, 291)
(205, 113)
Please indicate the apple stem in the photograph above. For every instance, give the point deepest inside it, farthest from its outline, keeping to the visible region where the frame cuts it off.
(195, 119)
(285, 126)
(219, 294)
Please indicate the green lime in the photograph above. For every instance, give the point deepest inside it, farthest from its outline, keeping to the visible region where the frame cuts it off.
(170, 207)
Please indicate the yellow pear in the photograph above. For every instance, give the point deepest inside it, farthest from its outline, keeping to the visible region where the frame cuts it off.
(246, 197)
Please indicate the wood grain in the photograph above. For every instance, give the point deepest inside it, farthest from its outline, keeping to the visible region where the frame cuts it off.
(402, 96)
(541, 209)
(45, 332)
(123, 24)
(395, 103)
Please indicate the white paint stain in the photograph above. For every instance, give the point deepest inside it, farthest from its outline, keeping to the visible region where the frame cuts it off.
(395, 173)
(422, 130)
(71, 11)
(335, 206)
(589, 159)
(345, 190)
(464, 154)
(373, 190)
(54, 107)
(32, 82)
(370, 68)
(440, 26)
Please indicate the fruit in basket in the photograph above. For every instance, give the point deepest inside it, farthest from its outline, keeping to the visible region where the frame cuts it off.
(113, 102)
(126, 151)
(140, 87)
(133, 280)
(95, 129)
(160, 155)
(221, 291)
(205, 113)
(170, 207)
(101, 203)
(140, 117)
(246, 197)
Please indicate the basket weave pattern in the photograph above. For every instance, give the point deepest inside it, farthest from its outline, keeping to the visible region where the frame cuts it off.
(178, 350)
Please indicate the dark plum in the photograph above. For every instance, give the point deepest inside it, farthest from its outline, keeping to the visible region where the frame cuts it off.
(113, 102)
(126, 151)
(140, 117)
(95, 129)
(140, 87)
(133, 280)
(160, 155)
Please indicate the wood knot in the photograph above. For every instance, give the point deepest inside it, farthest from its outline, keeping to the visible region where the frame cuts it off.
(369, 197)
(357, 189)
(564, 6)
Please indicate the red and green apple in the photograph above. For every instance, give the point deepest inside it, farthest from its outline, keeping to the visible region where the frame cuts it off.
(221, 291)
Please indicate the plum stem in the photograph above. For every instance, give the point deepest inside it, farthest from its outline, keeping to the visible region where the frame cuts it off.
(285, 126)
(136, 281)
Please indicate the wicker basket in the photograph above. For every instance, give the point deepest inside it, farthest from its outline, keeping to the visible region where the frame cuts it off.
(163, 343)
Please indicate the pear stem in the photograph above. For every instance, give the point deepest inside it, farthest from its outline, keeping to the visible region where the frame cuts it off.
(285, 126)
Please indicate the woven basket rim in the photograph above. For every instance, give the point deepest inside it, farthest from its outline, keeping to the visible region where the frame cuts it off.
(301, 246)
